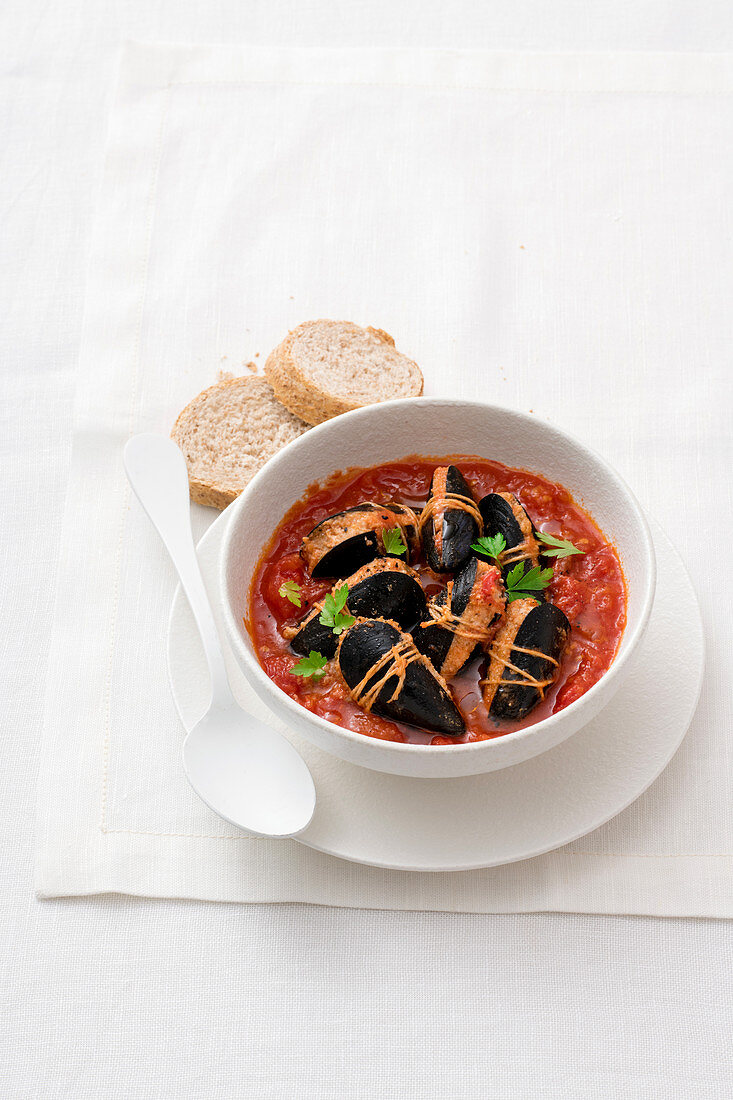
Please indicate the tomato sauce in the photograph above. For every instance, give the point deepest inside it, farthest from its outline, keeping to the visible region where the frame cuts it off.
(590, 589)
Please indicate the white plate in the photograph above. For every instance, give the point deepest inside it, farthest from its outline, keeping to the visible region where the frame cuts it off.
(485, 820)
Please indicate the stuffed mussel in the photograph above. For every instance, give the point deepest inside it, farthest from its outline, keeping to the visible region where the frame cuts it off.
(342, 543)
(385, 588)
(450, 521)
(502, 514)
(462, 617)
(385, 673)
(524, 658)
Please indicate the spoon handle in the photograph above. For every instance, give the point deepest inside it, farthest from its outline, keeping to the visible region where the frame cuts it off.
(156, 470)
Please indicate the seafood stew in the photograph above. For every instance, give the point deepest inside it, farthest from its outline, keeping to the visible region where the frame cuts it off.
(436, 600)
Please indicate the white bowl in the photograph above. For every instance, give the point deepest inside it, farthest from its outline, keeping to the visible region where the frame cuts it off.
(430, 426)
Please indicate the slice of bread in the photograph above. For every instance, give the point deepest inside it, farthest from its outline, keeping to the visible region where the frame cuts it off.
(323, 368)
(227, 433)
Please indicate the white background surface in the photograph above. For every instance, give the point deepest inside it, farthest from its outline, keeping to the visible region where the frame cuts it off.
(118, 997)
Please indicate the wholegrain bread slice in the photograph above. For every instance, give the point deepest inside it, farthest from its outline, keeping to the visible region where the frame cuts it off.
(324, 368)
(227, 433)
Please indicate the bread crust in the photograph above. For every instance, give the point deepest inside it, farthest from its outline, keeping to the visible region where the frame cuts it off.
(304, 397)
(211, 495)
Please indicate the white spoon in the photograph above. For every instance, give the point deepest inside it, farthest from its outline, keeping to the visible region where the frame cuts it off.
(246, 772)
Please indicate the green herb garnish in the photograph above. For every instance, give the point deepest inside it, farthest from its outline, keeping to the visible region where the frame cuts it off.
(393, 541)
(520, 584)
(333, 613)
(313, 665)
(490, 545)
(291, 591)
(561, 548)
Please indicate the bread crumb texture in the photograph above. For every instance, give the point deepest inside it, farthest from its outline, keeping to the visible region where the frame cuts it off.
(324, 368)
(228, 432)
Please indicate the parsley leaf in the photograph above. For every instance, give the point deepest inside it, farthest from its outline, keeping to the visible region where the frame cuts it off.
(291, 591)
(313, 665)
(561, 548)
(520, 584)
(333, 613)
(490, 545)
(393, 541)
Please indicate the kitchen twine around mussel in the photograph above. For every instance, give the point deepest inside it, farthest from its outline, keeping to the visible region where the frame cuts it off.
(392, 663)
(526, 677)
(456, 502)
(526, 550)
(441, 615)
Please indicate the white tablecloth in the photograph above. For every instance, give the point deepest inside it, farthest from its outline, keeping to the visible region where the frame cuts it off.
(121, 998)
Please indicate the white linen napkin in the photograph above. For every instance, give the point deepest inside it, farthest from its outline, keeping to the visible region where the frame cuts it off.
(564, 219)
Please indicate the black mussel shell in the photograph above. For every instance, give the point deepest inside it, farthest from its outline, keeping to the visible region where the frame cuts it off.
(459, 528)
(347, 556)
(542, 627)
(447, 652)
(504, 515)
(500, 516)
(463, 587)
(423, 701)
(432, 639)
(386, 589)
(312, 634)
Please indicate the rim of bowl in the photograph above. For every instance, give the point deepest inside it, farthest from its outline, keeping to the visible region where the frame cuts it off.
(554, 720)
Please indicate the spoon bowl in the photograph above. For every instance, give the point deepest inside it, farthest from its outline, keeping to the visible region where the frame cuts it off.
(245, 771)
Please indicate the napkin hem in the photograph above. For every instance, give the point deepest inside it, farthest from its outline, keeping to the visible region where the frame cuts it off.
(590, 882)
